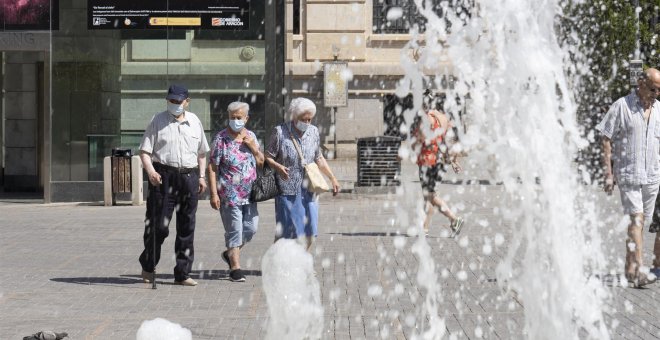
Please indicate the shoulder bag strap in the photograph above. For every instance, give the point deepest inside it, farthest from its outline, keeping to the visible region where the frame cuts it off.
(295, 143)
(298, 148)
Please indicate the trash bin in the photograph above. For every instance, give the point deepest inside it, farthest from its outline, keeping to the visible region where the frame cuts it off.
(121, 170)
(378, 164)
(122, 173)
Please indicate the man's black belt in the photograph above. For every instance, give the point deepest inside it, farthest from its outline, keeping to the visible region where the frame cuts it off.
(168, 168)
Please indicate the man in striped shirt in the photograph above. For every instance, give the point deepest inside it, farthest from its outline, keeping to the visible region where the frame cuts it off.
(173, 152)
(631, 147)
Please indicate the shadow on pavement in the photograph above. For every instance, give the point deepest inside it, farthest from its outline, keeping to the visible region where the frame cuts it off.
(616, 281)
(107, 281)
(369, 234)
(160, 278)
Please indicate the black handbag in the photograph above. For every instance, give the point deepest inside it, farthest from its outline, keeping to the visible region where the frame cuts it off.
(265, 186)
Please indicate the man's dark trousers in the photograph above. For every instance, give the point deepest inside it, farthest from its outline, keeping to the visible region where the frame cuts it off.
(655, 222)
(177, 192)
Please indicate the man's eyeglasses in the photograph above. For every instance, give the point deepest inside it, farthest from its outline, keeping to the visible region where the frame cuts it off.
(174, 101)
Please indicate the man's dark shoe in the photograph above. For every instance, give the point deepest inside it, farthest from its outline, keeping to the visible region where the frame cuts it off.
(46, 335)
(147, 277)
(225, 257)
(236, 275)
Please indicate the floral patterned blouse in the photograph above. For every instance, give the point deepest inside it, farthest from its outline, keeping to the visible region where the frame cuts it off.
(237, 168)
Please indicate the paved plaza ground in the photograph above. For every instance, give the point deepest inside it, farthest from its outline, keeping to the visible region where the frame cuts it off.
(74, 268)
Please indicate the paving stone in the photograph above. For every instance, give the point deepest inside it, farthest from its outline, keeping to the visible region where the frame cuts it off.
(73, 268)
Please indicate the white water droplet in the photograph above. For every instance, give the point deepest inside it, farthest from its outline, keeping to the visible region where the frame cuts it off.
(375, 290)
(399, 242)
(410, 320)
(463, 242)
(478, 332)
(334, 294)
(629, 307)
(394, 13)
(499, 239)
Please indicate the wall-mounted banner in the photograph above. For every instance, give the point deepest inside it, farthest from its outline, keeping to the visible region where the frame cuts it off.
(29, 15)
(233, 15)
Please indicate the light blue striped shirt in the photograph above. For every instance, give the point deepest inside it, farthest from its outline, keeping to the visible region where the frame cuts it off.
(283, 151)
(635, 145)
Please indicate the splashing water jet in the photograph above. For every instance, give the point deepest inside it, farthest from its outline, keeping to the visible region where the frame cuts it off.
(507, 61)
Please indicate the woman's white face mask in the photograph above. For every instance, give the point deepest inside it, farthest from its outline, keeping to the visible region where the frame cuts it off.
(302, 126)
(236, 125)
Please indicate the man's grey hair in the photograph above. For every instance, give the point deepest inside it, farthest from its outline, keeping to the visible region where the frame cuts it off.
(235, 106)
(301, 105)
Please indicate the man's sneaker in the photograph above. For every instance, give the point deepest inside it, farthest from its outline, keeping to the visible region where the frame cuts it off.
(656, 271)
(147, 277)
(186, 282)
(236, 275)
(654, 227)
(456, 227)
(225, 257)
(640, 280)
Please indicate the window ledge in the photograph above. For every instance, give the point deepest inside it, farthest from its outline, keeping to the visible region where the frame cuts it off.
(392, 37)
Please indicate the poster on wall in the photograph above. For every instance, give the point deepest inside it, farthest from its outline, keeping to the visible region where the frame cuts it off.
(29, 15)
(230, 15)
(335, 84)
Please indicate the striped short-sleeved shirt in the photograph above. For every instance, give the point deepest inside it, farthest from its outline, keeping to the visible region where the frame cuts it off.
(635, 145)
(175, 143)
(283, 151)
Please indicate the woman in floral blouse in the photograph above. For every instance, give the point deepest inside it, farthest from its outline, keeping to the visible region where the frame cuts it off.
(235, 155)
(296, 209)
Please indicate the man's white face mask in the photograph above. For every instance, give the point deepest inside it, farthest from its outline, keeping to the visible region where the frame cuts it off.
(175, 109)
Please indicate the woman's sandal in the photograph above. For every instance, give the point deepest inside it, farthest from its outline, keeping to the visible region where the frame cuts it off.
(640, 280)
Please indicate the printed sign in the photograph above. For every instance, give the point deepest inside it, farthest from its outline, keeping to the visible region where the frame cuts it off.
(232, 15)
(335, 84)
(636, 71)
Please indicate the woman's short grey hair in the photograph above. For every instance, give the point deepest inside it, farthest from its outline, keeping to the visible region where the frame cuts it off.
(235, 106)
(301, 105)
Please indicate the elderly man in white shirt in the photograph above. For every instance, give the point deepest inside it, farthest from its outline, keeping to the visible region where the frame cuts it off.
(631, 147)
(173, 151)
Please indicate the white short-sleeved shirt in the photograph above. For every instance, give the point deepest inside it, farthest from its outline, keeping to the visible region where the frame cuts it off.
(635, 145)
(175, 143)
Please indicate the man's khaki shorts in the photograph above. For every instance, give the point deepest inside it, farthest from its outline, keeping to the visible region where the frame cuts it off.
(638, 199)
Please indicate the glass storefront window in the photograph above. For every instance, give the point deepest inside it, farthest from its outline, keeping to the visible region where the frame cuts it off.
(80, 78)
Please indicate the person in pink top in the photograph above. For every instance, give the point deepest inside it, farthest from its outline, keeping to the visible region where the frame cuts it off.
(235, 156)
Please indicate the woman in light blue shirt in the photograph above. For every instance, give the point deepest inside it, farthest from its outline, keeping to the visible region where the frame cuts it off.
(296, 209)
